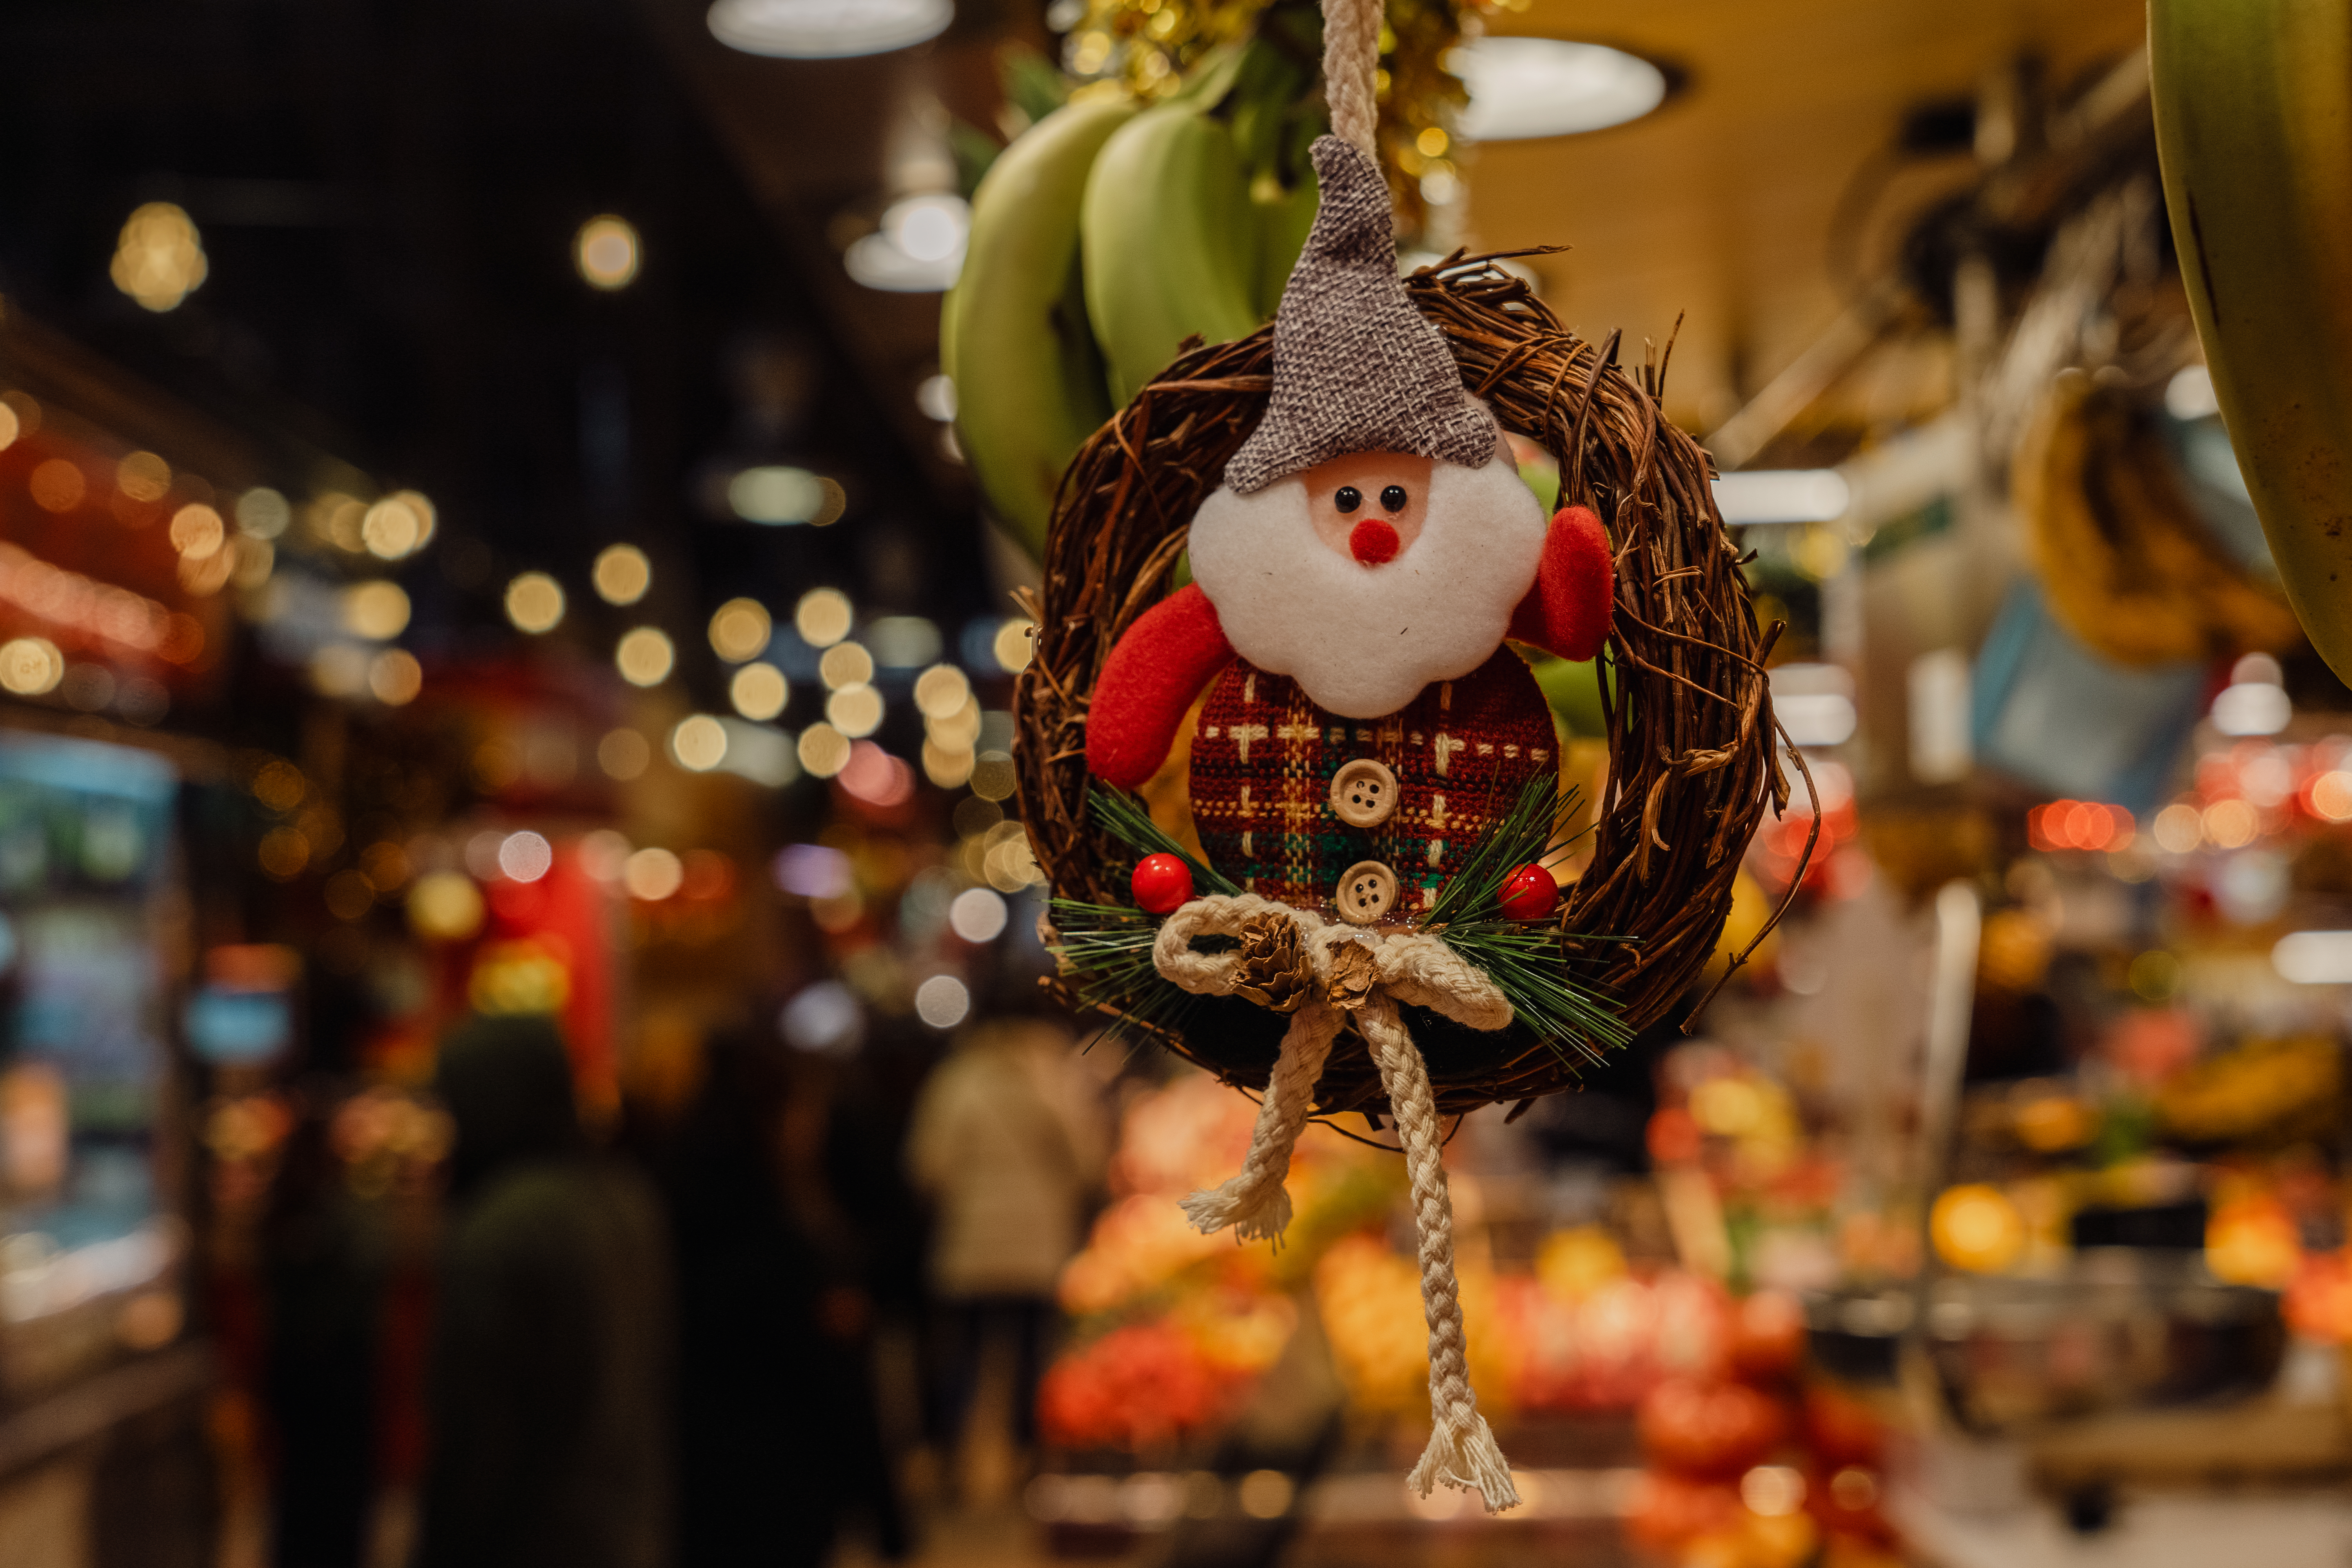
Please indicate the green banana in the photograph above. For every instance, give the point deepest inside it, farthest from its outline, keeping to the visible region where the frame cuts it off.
(2253, 126)
(1170, 248)
(1285, 211)
(1012, 332)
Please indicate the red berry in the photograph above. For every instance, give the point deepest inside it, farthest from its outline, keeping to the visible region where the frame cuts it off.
(1530, 894)
(1163, 883)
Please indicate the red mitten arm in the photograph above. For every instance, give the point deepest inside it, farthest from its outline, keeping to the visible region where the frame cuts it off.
(1567, 612)
(1148, 682)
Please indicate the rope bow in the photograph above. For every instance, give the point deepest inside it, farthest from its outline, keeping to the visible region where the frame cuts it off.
(1322, 974)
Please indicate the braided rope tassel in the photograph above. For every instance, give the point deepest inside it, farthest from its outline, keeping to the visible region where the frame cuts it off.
(1462, 1451)
(1255, 1202)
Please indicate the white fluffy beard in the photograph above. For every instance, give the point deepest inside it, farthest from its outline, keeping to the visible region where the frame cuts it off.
(1362, 641)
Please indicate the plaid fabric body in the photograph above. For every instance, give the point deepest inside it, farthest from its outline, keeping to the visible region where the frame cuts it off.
(1263, 755)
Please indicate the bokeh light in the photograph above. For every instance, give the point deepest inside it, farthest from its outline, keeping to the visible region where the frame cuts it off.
(846, 663)
(698, 742)
(159, 259)
(621, 574)
(779, 495)
(30, 666)
(445, 906)
(652, 875)
(822, 616)
(376, 610)
(740, 629)
(823, 751)
(978, 914)
(263, 512)
(1015, 644)
(57, 485)
(535, 603)
(143, 477)
(526, 856)
(624, 755)
(607, 251)
(198, 531)
(759, 691)
(875, 777)
(942, 1001)
(644, 656)
(397, 526)
(396, 676)
(942, 691)
(855, 710)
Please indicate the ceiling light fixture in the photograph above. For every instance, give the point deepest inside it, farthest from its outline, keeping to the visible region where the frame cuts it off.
(1782, 495)
(1525, 88)
(826, 29)
(918, 248)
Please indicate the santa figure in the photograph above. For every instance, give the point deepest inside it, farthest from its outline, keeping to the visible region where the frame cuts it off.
(1354, 579)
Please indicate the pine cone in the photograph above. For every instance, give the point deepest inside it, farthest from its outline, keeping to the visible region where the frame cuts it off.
(1274, 973)
(1353, 974)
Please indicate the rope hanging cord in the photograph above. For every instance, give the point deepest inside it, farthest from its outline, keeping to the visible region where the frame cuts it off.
(1351, 63)
(1365, 973)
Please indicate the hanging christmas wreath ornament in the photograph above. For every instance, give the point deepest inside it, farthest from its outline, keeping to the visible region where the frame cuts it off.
(1362, 918)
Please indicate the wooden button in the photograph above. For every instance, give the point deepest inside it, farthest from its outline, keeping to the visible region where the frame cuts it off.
(1368, 890)
(1363, 792)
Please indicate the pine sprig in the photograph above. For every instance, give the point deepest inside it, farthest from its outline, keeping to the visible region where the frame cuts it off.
(1129, 820)
(1475, 893)
(1525, 959)
(1107, 947)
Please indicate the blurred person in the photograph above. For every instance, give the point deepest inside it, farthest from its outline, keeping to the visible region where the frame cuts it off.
(777, 1425)
(550, 1385)
(1009, 1142)
(324, 1266)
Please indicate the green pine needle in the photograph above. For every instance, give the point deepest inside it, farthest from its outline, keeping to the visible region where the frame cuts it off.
(1129, 820)
(1107, 947)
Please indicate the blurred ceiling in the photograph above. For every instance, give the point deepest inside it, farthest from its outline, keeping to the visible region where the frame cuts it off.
(1722, 204)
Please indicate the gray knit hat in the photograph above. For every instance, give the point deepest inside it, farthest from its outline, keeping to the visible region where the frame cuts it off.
(1356, 369)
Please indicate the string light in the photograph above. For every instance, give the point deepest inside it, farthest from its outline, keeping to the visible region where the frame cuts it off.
(623, 574)
(534, 603)
(606, 252)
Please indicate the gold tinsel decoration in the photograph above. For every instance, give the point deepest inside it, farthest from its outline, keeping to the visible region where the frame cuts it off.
(1147, 45)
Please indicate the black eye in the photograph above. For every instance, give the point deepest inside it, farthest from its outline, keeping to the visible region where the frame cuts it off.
(1350, 497)
(1392, 497)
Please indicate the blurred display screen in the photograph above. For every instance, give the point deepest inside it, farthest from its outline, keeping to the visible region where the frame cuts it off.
(85, 863)
(237, 1026)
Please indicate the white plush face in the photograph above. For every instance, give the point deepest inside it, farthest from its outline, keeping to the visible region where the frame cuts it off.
(1299, 594)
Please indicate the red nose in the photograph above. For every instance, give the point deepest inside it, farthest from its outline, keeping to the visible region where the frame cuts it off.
(1373, 542)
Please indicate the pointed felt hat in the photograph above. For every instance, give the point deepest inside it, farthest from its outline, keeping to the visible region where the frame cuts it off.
(1356, 369)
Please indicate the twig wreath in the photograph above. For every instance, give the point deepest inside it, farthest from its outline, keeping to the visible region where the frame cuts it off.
(1374, 780)
(1692, 765)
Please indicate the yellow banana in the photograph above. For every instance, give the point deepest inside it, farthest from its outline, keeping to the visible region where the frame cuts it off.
(1170, 241)
(1013, 333)
(2253, 124)
(2125, 564)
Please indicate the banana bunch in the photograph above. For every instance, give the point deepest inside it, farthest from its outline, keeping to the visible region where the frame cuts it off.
(1104, 237)
(2253, 123)
(2126, 564)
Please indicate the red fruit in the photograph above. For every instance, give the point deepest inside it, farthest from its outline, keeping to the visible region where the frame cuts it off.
(1163, 883)
(1842, 1429)
(1767, 1336)
(1668, 1510)
(1709, 1429)
(1530, 894)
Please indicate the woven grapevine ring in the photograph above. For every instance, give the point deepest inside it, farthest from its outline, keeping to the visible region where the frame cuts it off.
(1693, 760)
